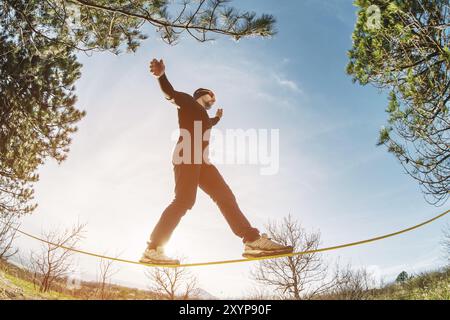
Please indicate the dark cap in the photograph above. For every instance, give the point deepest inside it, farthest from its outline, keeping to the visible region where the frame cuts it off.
(201, 92)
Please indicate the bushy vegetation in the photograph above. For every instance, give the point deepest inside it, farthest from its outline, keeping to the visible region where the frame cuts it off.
(434, 285)
(19, 283)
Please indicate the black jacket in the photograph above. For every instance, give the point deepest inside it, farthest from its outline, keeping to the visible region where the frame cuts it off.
(189, 111)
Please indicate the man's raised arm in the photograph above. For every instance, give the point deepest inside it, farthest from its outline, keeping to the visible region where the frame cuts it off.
(166, 87)
(158, 69)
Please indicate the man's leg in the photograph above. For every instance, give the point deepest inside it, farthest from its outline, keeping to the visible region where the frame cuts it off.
(186, 182)
(212, 182)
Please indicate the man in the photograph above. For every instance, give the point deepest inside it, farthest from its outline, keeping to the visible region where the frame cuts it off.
(194, 170)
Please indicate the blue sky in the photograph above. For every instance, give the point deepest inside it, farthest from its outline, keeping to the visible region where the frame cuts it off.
(118, 177)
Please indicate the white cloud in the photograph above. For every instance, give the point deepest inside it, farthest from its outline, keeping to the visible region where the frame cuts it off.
(289, 84)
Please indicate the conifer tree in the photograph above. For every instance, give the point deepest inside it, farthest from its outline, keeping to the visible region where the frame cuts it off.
(402, 46)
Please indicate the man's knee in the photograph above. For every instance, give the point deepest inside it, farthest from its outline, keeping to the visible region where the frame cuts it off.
(224, 197)
(185, 203)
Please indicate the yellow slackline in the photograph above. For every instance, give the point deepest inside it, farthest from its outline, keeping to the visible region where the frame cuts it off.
(351, 244)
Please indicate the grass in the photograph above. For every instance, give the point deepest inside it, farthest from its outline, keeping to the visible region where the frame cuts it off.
(29, 291)
(16, 283)
(434, 285)
(425, 286)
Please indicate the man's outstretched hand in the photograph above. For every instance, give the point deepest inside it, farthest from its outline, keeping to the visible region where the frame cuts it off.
(157, 68)
(219, 113)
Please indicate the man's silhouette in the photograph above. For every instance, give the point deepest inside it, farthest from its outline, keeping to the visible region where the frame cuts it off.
(192, 169)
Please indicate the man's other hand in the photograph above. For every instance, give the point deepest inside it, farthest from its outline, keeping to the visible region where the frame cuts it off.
(219, 113)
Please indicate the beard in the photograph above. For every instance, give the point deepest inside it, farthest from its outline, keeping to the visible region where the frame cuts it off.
(209, 105)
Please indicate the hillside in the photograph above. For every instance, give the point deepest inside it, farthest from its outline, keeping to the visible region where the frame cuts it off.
(433, 285)
(17, 283)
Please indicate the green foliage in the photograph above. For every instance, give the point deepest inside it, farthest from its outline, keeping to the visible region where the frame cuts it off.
(402, 277)
(402, 46)
(37, 112)
(384, 135)
(433, 285)
(27, 290)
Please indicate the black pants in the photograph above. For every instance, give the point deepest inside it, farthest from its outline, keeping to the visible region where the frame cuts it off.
(209, 179)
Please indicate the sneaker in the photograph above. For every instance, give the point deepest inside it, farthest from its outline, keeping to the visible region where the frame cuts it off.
(264, 246)
(157, 256)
